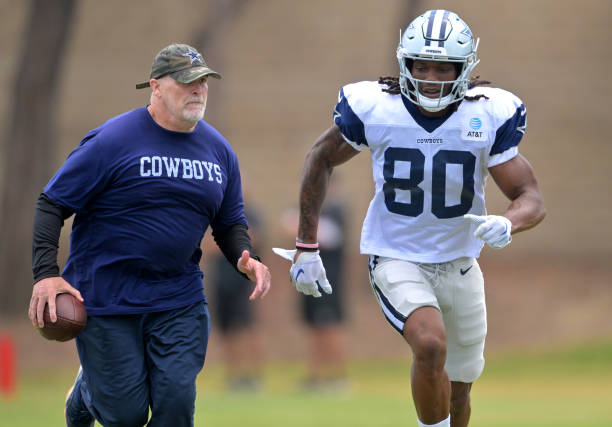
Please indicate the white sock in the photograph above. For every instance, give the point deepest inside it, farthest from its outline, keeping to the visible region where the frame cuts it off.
(443, 423)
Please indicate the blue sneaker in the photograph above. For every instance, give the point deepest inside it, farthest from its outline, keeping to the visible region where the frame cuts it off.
(75, 411)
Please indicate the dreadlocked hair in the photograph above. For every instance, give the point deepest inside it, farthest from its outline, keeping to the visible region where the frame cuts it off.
(392, 83)
(393, 86)
(476, 82)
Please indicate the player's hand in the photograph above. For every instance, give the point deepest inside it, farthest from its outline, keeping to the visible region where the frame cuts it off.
(493, 229)
(256, 272)
(44, 292)
(307, 272)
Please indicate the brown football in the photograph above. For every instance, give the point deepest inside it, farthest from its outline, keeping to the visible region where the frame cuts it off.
(71, 319)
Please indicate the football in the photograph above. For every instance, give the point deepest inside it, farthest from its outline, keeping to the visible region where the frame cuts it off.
(71, 319)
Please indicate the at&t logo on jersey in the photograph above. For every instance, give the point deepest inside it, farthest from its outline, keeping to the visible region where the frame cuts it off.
(474, 130)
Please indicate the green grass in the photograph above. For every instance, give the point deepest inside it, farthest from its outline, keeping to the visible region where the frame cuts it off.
(561, 388)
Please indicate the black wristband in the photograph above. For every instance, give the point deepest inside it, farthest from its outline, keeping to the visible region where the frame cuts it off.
(302, 249)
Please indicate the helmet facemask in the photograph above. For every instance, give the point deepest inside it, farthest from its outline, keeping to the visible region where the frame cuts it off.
(440, 36)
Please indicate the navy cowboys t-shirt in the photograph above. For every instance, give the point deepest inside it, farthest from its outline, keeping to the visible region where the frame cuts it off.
(143, 198)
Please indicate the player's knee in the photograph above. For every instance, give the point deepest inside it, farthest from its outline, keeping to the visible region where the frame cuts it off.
(429, 350)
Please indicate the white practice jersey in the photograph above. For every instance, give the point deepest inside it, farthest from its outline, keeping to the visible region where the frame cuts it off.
(428, 172)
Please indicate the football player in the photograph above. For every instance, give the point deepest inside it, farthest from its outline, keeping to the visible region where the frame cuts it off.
(434, 135)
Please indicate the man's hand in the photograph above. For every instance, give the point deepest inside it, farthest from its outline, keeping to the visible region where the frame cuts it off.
(493, 229)
(307, 272)
(44, 292)
(256, 272)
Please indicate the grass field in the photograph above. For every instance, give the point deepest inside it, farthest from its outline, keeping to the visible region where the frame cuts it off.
(561, 388)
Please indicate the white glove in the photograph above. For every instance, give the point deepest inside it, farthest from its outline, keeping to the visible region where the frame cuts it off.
(308, 273)
(493, 229)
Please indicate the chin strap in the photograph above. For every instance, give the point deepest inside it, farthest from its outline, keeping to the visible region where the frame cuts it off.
(432, 105)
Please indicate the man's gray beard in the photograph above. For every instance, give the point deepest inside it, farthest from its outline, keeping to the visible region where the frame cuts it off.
(194, 117)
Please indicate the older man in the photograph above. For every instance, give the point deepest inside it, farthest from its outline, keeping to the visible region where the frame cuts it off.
(144, 186)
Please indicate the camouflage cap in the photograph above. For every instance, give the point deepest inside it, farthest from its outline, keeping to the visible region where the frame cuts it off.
(181, 62)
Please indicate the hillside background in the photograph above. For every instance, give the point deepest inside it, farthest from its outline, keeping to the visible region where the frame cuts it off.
(283, 63)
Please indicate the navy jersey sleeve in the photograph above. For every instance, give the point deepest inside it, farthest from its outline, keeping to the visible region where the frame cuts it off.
(84, 175)
(511, 132)
(232, 207)
(350, 124)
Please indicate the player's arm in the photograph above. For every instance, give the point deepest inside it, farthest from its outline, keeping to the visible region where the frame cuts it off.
(307, 272)
(328, 151)
(517, 180)
(48, 221)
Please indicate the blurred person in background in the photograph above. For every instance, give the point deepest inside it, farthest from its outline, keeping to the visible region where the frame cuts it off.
(434, 134)
(325, 316)
(144, 186)
(234, 316)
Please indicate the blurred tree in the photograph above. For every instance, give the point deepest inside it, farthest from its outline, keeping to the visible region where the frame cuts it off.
(29, 143)
(221, 11)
